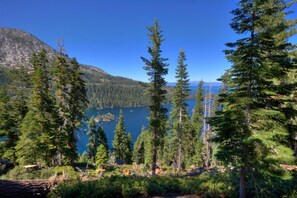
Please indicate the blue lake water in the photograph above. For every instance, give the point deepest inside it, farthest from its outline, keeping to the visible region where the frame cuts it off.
(135, 118)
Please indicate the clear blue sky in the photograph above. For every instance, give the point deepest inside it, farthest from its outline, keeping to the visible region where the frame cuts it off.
(112, 34)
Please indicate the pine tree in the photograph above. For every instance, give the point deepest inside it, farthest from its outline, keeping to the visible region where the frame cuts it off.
(5, 121)
(70, 94)
(102, 139)
(197, 118)
(19, 91)
(251, 128)
(101, 156)
(61, 79)
(156, 70)
(179, 112)
(139, 148)
(96, 138)
(37, 129)
(93, 142)
(120, 143)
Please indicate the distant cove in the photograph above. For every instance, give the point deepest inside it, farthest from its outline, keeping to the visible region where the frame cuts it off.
(135, 119)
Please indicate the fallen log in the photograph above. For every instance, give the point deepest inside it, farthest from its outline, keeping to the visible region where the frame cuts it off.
(32, 188)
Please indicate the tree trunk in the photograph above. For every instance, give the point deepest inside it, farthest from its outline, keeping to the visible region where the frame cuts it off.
(154, 160)
(24, 189)
(205, 142)
(295, 149)
(179, 161)
(242, 187)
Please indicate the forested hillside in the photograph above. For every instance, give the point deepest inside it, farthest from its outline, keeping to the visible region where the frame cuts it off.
(103, 90)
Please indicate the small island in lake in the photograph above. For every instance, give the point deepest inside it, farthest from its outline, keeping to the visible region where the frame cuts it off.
(105, 118)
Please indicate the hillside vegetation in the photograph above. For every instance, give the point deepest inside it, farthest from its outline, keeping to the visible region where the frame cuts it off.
(103, 89)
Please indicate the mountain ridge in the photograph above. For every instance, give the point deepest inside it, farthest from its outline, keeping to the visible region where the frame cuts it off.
(103, 89)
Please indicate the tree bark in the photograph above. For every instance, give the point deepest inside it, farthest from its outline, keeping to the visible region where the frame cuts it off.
(242, 187)
(154, 160)
(179, 162)
(295, 149)
(24, 189)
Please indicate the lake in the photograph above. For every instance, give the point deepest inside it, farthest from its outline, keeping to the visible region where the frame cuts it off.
(135, 118)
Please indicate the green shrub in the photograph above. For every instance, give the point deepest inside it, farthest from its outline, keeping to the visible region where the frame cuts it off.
(68, 170)
(21, 173)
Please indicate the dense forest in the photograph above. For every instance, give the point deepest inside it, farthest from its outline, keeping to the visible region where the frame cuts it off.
(239, 143)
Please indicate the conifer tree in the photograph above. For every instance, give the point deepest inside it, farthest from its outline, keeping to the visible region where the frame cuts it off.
(60, 78)
(93, 142)
(197, 118)
(101, 156)
(179, 112)
(96, 138)
(71, 101)
(197, 115)
(19, 91)
(5, 121)
(156, 70)
(139, 148)
(120, 143)
(251, 128)
(38, 127)
(102, 139)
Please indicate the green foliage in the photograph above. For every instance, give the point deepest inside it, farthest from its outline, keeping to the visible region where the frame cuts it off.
(121, 142)
(252, 127)
(142, 152)
(97, 137)
(210, 185)
(37, 128)
(21, 173)
(83, 158)
(66, 171)
(5, 120)
(179, 113)
(198, 115)
(101, 156)
(70, 95)
(93, 142)
(156, 70)
(106, 91)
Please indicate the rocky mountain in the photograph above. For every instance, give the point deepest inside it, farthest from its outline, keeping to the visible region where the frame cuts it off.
(17, 47)
(103, 89)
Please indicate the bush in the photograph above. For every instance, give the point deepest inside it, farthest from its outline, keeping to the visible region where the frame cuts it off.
(68, 170)
(120, 186)
(21, 173)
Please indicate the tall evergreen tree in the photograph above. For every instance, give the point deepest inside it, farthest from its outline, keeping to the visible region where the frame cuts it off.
(102, 139)
(179, 112)
(197, 118)
(38, 126)
(5, 121)
(70, 94)
(252, 127)
(197, 115)
(156, 70)
(101, 156)
(120, 143)
(96, 138)
(93, 142)
(61, 80)
(139, 148)
(19, 91)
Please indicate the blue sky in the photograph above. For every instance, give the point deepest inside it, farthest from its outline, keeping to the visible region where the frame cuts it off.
(112, 34)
